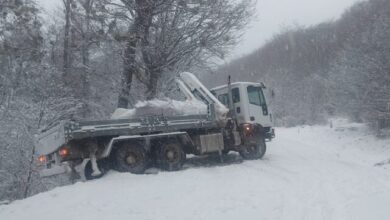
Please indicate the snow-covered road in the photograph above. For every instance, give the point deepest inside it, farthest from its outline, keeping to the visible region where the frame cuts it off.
(307, 173)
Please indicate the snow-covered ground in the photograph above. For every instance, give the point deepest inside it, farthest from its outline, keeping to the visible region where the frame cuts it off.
(308, 173)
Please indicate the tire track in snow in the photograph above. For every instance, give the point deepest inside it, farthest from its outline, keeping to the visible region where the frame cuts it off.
(327, 179)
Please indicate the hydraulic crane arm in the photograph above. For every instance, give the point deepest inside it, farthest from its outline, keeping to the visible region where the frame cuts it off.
(192, 88)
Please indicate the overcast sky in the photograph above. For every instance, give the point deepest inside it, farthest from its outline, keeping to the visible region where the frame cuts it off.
(272, 16)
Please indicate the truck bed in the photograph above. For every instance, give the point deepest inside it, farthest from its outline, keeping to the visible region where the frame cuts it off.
(153, 124)
(53, 138)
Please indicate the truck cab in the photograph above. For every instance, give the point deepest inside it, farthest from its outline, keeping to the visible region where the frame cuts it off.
(249, 105)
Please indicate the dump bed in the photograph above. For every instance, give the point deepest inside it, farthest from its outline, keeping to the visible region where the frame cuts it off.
(61, 133)
(56, 136)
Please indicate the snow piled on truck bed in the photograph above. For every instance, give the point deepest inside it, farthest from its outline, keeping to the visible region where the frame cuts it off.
(166, 107)
(308, 173)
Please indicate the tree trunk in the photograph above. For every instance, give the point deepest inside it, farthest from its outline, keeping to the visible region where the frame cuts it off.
(31, 162)
(85, 58)
(152, 86)
(137, 33)
(128, 67)
(66, 64)
(146, 18)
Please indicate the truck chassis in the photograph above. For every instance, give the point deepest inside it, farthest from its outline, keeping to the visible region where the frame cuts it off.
(95, 146)
(89, 148)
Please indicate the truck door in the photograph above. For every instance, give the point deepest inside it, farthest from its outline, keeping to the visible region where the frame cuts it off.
(258, 109)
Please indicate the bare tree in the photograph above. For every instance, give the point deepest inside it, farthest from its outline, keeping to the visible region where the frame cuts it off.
(185, 34)
(84, 32)
(141, 11)
(169, 35)
(32, 94)
(67, 41)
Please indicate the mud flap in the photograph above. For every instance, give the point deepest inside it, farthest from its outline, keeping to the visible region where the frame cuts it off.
(80, 169)
(95, 168)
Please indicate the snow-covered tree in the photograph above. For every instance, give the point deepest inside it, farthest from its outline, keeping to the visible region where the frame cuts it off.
(164, 36)
(339, 67)
(32, 95)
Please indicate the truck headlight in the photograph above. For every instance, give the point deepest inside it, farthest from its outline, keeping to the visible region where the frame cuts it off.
(247, 129)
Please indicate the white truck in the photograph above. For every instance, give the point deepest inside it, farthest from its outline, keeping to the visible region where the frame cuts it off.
(237, 119)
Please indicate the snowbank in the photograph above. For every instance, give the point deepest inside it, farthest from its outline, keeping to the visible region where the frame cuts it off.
(165, 107)
(310, 172)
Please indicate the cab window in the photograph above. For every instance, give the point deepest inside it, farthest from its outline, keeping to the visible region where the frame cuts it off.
(224, 98)
(256, 96)
(236, 95)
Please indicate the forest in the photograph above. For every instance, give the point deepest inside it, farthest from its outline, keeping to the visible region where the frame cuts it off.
(95, 56)
(92, 57)
(336, 68)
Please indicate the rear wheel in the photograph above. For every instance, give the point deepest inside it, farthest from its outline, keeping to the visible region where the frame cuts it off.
(254, 150)
(225, 152)
(171, 156)
(131, 158)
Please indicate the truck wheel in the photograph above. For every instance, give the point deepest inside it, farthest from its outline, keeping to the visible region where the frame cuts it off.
(225, 152)
(131, 158)
(171, 156)
(254, 151)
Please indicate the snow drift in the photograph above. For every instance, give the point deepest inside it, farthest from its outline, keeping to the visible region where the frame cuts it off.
(309, 173)
(188, 84)
(165, 107)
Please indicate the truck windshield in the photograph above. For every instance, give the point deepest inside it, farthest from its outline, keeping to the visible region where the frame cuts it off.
(256, 96)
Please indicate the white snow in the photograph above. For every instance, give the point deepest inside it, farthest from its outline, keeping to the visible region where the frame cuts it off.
(188, 83)
(307, 173)
(165, 107)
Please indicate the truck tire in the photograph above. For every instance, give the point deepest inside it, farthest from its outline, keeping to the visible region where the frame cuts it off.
(131, 158)
(254, 150)
(171, 156)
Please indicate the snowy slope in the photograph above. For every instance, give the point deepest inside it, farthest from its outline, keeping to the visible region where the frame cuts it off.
(308, 173)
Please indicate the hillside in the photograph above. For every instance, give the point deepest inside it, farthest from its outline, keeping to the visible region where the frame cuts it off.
(338, 67)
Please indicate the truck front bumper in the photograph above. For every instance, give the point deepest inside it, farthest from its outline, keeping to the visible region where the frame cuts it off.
(55, 170)
(270, 134)
(66, 168)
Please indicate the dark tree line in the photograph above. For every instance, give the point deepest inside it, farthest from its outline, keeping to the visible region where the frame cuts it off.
(337, 68)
